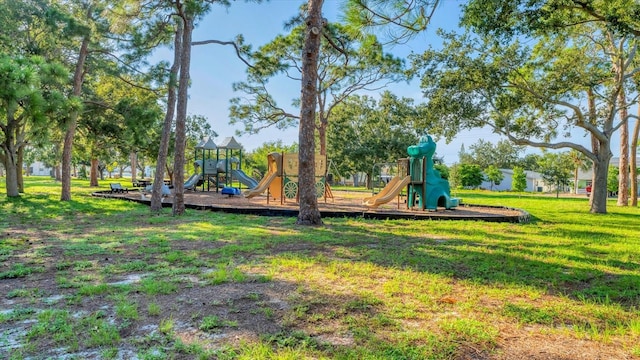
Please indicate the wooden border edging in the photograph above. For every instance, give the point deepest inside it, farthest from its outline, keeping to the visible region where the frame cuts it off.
(523, 216)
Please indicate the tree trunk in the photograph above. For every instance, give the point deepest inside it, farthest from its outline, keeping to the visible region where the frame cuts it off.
(575, 179)
(133, 159)
(633, 175)
(181, 118)
(623, 169)
(161, 163)
(12, 177)
(19, 166)
(322, 137)
(309, 213)
(170, 173)
(93, 173)
(10, 156)
(599, 186)
(595, 144)
(72, 122)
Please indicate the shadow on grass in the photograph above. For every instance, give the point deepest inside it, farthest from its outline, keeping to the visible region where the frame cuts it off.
(510, 260)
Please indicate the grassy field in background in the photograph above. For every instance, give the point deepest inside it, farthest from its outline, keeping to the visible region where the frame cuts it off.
(103, 278)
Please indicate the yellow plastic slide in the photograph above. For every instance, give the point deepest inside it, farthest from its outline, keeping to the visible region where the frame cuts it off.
(389, 192)
(384, 191)
(262, 185)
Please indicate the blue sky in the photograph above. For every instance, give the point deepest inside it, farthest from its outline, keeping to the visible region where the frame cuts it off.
(215, 68)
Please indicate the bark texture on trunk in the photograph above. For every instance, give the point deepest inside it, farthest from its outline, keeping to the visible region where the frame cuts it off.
(72, 122)
(133, 160)
(309, 213)
(12, 176)
(20, 165)
(595, 145)
(161, 163)
(633, 161)
(10, 157)
(599, 186)
(13, 146)
(181, 118)
(623, 165)
(93, 172)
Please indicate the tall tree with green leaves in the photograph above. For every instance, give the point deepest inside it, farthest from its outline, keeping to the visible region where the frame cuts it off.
(117, 114)
(98, 34)
(89, 14)
(309, 214)
(556, 169)
(185, 13)
(614, 31)
(493, 175)
(257, 159)
(470, 175)
(365, 131)
(30, 89)
(397, 20)
(530, 94)
(345, 65)
(519, 180)
(503, 155)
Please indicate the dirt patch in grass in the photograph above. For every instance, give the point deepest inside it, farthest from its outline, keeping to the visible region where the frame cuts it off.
(179, 298)
(531, 342)
(141, 294)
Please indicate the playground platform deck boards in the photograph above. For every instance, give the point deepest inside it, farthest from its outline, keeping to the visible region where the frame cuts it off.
(344, 204)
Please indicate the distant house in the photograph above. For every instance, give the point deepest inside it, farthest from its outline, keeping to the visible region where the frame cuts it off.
(40, 169)
(586, 177)
(534, 182)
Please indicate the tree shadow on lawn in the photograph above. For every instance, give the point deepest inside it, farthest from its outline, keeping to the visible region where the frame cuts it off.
(232, 317)
(614, 221)
(42, 207)
(502, 262)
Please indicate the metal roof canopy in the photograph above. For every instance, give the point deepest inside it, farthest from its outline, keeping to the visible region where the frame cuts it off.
(230, 143)
(206, 144)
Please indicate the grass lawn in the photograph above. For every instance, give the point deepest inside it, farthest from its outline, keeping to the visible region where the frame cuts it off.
(100, 278)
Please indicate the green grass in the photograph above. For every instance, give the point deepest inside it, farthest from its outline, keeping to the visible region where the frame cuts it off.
(17, 270)
(212, 323)
(353, 288)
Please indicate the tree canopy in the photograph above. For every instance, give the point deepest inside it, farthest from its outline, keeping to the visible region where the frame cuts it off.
(346, 64)
(556, 169)
(539, 94)
(365, 131)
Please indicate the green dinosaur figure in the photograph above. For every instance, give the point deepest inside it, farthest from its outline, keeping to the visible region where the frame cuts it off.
(427, 185)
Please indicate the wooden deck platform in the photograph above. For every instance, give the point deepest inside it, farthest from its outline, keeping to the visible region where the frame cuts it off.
(344, 204)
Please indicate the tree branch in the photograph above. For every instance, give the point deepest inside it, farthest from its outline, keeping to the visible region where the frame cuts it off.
(219, 42)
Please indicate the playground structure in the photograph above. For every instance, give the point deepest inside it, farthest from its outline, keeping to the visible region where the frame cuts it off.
(219, 171)
(427, 185)
(281, 179)
(274, 170)
(426, 188)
